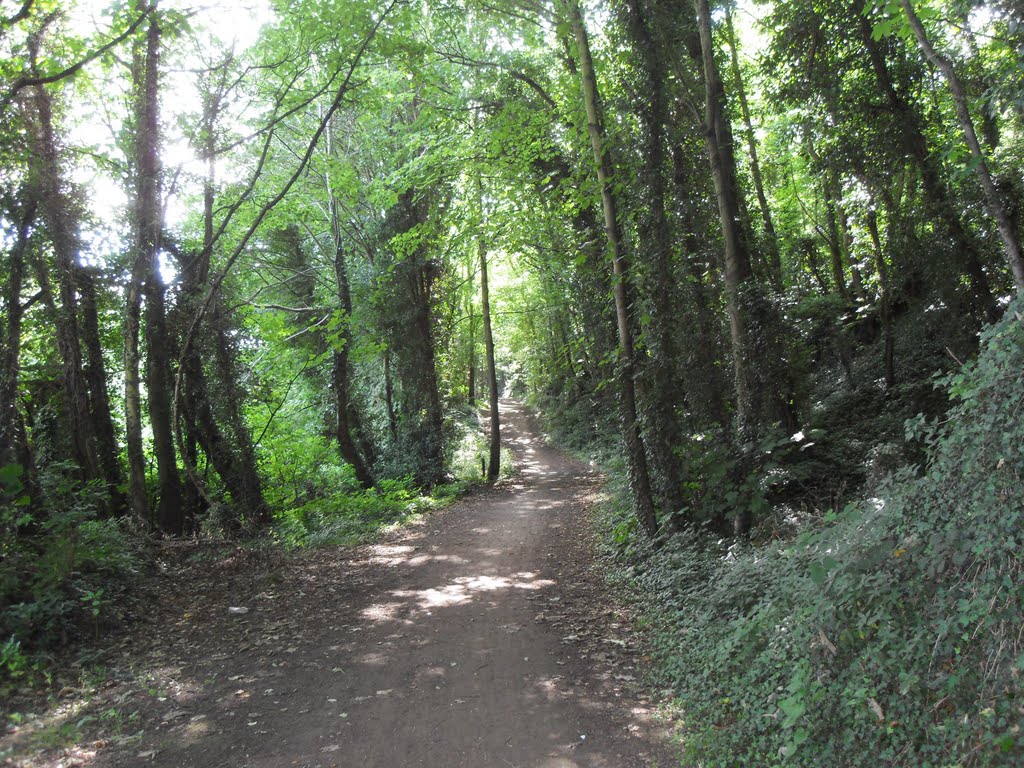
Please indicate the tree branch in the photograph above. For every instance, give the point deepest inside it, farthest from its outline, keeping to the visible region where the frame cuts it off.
(25, 81)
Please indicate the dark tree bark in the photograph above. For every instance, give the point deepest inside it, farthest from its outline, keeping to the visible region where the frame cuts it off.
(137, 491)
(834, 237)
(138, 497)
(738, 272)
(14, 447)
(389, 396)
(99, 394)
(413, 361)
(884, 301)
(771, 238)
(170, 515)
(471, 378)
(58, 213)
(759, 398)
(346, 422)
(494, 459)
(636, 459)
(705, 381)
(809, 248)
(240, 473)
(662, 424)
(212, 409)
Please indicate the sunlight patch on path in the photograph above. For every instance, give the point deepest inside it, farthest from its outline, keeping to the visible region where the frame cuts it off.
(465, 588)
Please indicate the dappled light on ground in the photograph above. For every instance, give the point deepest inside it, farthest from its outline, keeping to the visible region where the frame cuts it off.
(454, 644)
(465, 588)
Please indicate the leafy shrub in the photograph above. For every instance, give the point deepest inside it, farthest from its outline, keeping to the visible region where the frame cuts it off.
(60, 563)
(350, 518)
(13, 663)
(890, 632)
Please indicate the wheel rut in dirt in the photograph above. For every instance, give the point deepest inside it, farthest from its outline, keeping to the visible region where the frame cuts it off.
(480, 637)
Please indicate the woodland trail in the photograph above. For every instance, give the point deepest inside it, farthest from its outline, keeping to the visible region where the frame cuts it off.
(480, 637)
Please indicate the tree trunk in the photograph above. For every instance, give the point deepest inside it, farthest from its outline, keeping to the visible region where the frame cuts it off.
(662, 424)
(719, 143)
(705, 381)
(58, 214)
(771, 237)
(636, 460)
(132, 394)
(995, 206)
(884, 302)
(471, 382)
(340, 377)
(245, 486)
(170, 517)
(215, 418)
(757, 370)
(14, 447)
(494, 460)
(99, 394)
(809, 248)
(835, 234)
(389, 396)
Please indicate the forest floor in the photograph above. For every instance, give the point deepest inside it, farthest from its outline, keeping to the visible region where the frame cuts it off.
(483, 635)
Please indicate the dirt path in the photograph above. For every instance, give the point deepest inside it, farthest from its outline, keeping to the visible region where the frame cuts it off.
(477, 638)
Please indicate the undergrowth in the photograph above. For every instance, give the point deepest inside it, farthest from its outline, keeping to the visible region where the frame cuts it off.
(350, 517)
(888, 633)
(62, 574)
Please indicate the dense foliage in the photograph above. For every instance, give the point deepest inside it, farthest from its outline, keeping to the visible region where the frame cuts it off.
(257, 287)
(890, 628)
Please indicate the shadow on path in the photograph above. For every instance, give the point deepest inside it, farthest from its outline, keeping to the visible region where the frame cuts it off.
(435, 648)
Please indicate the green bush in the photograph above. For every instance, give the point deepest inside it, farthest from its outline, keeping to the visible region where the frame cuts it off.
(349, 518)
(61, 565)
(888, 634)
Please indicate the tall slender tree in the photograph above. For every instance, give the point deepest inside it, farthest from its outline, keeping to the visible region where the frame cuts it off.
(761, 396)
(494, 437)
(636, 458)
(147, 282)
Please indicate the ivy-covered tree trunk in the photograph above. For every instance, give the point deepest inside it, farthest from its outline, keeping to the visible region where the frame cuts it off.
(389, 395)
(170, 515)
(419, 424)
(703, 377)
(138, 497)
(661, 425)
(100, 408)
(636, 459)
(346, 420)
(57, 211)
(471, 364)
(245, 485)
(14, 447)
(884, 302)
(770, 235)
(738, 272)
